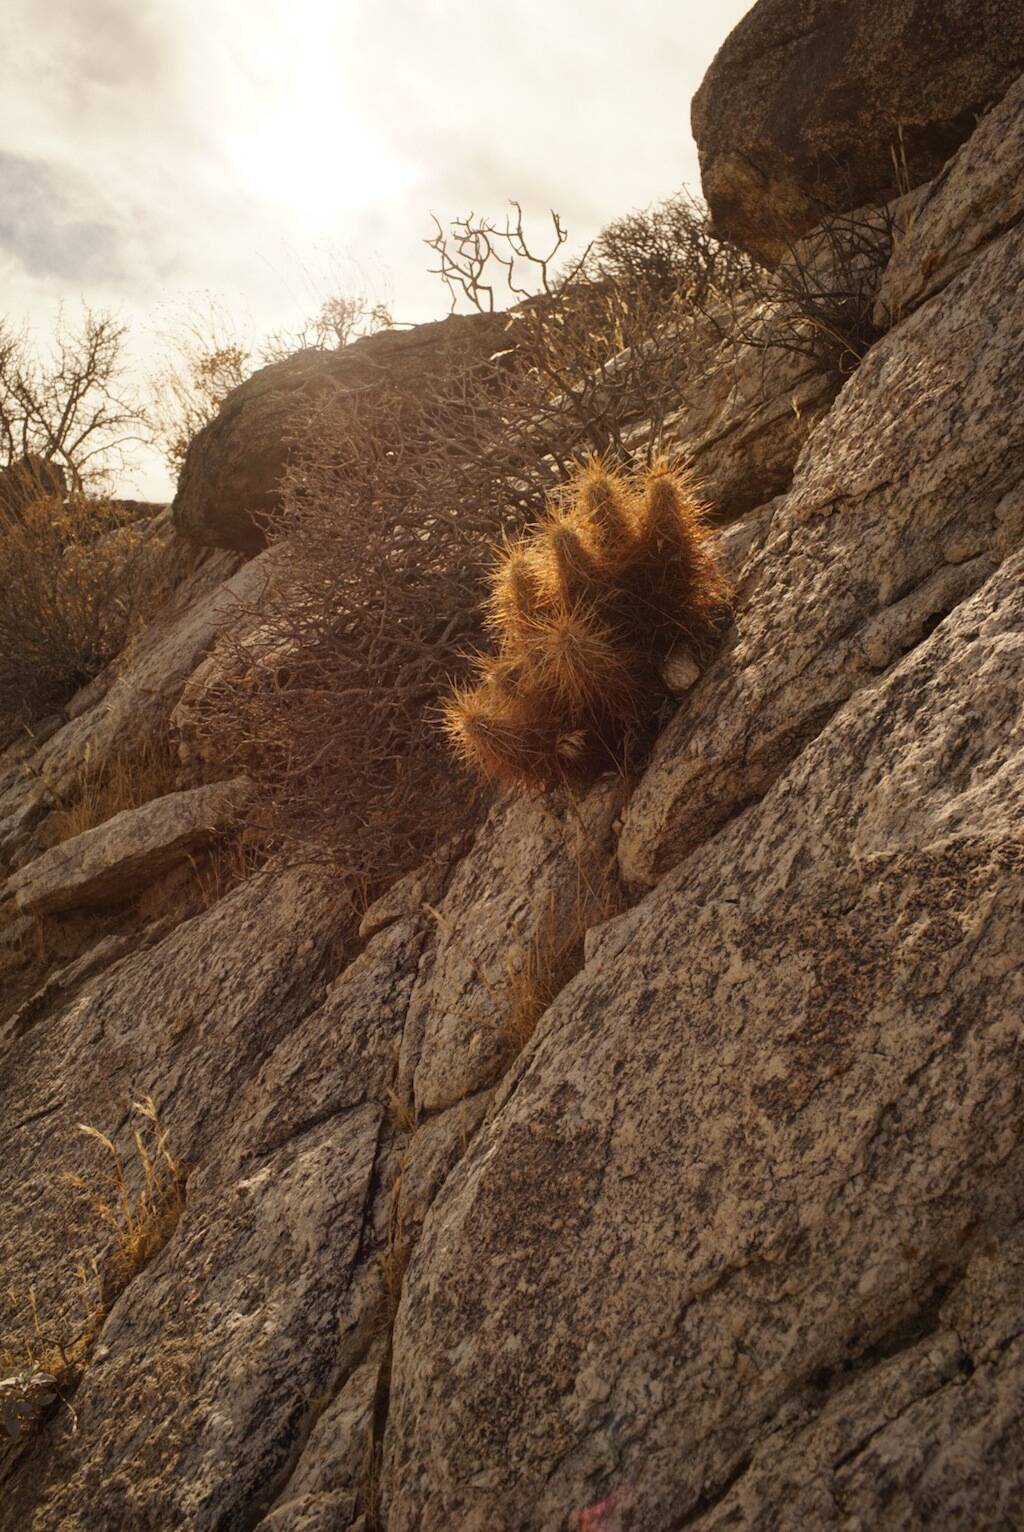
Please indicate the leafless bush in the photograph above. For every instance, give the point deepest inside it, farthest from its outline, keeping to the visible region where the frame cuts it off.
(206, 357)
(817, 302)
(75, 578)
(671, 248)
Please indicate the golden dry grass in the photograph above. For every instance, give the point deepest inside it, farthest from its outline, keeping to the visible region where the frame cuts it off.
(235, 857)
(537, 972)
(539, 969)
(142, 1222)
(137, 1223)
(126, 780)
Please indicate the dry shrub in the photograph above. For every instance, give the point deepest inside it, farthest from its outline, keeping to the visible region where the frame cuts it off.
(585, 613)
(126, 780)
(206, 358)
(817, 303)
(327, 700)
(616, 338)
(67, 405)
(670, 247)
(75, 580)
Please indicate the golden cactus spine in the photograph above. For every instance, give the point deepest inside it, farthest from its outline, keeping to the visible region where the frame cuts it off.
(585, 611)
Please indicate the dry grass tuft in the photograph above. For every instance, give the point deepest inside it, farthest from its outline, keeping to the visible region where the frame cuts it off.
(538, 970)
(126, 780)
(404, 1115)
(235, 857)
(37, 1365)
(140, 1224)
(586, 612)
(536, 975)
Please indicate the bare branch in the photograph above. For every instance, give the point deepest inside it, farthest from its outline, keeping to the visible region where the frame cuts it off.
(54, 410)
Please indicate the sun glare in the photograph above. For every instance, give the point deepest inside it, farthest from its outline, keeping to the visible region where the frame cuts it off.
(294, 141)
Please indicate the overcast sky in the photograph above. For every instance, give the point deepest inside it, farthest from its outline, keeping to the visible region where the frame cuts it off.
(269, 151)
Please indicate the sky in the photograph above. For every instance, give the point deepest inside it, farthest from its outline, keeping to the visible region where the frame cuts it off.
(155, 154)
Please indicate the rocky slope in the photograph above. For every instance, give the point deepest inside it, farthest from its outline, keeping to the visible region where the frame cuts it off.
(737, 1239)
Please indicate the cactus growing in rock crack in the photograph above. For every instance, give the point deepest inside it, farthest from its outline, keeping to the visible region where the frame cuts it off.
(586, 611)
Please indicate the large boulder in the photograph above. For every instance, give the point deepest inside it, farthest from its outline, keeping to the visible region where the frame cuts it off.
(230, 481)
(807, 100)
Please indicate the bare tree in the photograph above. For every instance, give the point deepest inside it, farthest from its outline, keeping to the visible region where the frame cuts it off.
(70, 409)
(340, 320)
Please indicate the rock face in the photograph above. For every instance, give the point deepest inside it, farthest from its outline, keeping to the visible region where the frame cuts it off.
(731, 1234)
(198, 1017)
(124, 855)
(747, 417)
(887, 526)
(806, 100)
(232, 472)
(979, 195)
(772, 1135)
(530, 870)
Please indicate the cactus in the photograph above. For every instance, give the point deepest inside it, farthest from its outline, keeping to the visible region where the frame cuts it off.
(515, 597)
(586, 612)
(686, 594)
(604, 512)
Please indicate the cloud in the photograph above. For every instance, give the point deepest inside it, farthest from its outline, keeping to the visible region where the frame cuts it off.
(45, 227)
(154, 150)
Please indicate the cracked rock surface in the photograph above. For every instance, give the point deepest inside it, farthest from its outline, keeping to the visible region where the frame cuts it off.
(778, 1115)
(905, 497)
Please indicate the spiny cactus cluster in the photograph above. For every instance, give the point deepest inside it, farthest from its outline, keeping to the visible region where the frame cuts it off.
(585, 612)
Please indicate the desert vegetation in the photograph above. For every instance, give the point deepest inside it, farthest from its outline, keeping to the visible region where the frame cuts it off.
(78, 572)
(134, 1204)
(335, 696)
(585, 611)
(126, 779)
(78, 576)
(395, 501)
